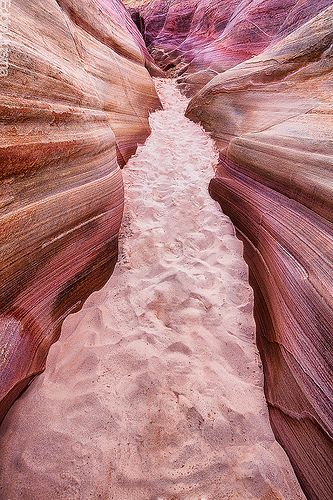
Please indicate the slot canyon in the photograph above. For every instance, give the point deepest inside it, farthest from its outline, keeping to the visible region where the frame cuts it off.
(166, 292)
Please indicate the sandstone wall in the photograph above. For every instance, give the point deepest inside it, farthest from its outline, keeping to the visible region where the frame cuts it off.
(77, 97)
(272, 119)
(198, 39)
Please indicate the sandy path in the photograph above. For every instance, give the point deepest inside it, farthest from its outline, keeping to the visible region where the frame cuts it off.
(154, 389)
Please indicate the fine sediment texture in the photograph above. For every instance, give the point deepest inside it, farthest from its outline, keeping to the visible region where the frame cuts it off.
(76, 100)
(154, 389)
(272, 119)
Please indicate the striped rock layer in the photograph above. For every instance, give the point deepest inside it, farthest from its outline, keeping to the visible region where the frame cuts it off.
(76, 99)
(196, 39)
(272, 118)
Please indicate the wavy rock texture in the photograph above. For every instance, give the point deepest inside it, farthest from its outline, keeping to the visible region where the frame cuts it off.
(77, 96)
(272, 119)
(197, 39)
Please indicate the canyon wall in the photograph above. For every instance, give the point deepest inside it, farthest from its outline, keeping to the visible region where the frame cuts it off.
(195, 40)
(76, 99)
(261, 75)
(272, 118)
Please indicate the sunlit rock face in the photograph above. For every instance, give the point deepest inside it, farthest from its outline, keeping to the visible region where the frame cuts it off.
(197, 39)
(272, 119)
(77, 97)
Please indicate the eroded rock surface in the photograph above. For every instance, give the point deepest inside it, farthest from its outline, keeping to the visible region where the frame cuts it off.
(77, 97)
(197, 39)
(272, 119)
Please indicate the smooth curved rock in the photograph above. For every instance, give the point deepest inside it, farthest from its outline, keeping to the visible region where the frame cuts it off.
(77, 96)
(197, 39)
(272, 118)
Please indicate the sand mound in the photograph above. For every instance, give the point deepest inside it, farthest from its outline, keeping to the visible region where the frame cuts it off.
(154, 389)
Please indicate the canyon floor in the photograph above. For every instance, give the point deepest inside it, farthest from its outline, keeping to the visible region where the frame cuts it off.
(155, 389)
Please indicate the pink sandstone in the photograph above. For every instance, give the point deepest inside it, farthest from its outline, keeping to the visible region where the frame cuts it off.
(272, 119)
(198, 39)
(77, 98)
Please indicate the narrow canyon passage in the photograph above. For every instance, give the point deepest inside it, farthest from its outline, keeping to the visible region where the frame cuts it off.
(154, 389)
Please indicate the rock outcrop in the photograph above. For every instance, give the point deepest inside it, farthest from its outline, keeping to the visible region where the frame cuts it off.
(197, 39)
(77, 97)
(272, 118)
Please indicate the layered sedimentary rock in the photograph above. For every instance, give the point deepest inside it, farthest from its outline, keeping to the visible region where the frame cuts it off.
(197, 39)
(77, 97)
(272, 118)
